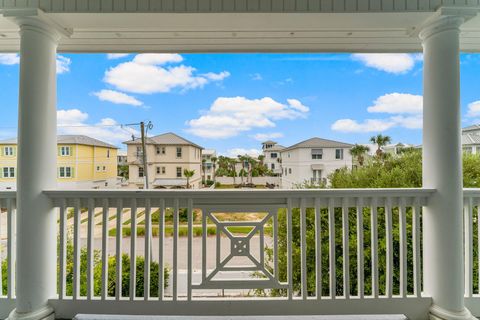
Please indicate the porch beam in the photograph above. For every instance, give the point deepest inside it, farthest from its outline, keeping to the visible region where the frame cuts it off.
(36, 220)
(443, 267)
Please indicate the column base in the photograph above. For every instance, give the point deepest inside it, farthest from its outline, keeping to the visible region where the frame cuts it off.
(45, 313)
(438, 313)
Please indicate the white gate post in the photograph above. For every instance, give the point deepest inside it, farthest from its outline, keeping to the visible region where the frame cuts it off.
(36, 166)
(442, 169)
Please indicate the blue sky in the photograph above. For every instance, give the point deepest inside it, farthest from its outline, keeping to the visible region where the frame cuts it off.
(230, 102)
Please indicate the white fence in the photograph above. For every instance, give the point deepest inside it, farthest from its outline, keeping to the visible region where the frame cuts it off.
(317, 251)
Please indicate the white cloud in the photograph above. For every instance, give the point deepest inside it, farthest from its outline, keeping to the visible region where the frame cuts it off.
(63, 64)
(151, 73)
(409, 122)
(256, 76)
(369, 125)
(396, 103)
(267, 136)
(217, 76)
(71, 117)
(113, 56)
(395, 63)
(474, 109)
(233, 153)
(117, 97)
(228, 117)
(74, 121)
(9, 58)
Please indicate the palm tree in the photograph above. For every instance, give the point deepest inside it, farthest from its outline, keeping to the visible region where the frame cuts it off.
(233, 172)
(188, 174)
(214, 161)
(359, 151)
(380, 141)
(203, 170)
(242, 160)
(251, 164)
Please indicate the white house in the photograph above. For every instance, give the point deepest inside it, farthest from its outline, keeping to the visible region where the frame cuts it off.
(313, 160)
(208, 166)
(471, 139)
(273, 156)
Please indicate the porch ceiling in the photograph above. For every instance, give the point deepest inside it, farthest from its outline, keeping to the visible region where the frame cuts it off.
(240, 32)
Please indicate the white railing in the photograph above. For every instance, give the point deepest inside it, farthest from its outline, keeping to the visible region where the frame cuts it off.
(314, 252)
(472, 248)
(7, 247)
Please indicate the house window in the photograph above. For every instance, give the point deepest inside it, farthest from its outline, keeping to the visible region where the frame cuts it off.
(285, 171)
(65, 172)
(273, 155)
(273, 166)
(108, 153)
(164, 170)
(160, 170)
(160, 150)
(140, 172)
(339, 154)
(9, 172)
(8, 151)
(179, 172)
(104, 168)
(179, 152)
(98, 168)
(65, 151)
(317, 154)
(289, 170)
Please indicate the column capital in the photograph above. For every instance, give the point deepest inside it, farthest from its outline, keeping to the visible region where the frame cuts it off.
(446, 18)
(37, 20)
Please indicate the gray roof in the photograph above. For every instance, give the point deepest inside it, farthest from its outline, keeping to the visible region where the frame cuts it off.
(319, 143)
(269, 142)
(468, 139)
(471, 128)
(276, 147)
(168, 138)
(72, 139)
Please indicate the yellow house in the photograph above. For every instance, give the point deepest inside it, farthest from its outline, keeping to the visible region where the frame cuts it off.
(82, 163)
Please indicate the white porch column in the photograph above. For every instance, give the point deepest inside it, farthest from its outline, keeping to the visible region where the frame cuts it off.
(442, 169)
(37, 143)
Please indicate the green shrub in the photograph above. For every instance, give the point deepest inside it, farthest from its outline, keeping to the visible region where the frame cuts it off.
(97, 274)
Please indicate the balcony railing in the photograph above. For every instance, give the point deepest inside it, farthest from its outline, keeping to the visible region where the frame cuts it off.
(306, 251)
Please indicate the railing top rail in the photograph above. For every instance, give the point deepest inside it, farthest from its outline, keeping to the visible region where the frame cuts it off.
(244, 193)
(8, 194)
(469, 192)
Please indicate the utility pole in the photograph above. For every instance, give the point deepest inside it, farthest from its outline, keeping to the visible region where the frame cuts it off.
(144, 154)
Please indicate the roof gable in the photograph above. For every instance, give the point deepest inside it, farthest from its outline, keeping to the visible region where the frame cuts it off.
(319, 143)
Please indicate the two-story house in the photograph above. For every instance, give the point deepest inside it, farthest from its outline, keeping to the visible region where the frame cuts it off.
(273, 156)
(207, 163)
(168, 155)
(312, 160)
(471, 139)
(82, 163)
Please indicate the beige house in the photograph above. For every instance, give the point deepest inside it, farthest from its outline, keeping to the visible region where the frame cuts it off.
(168, 155)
